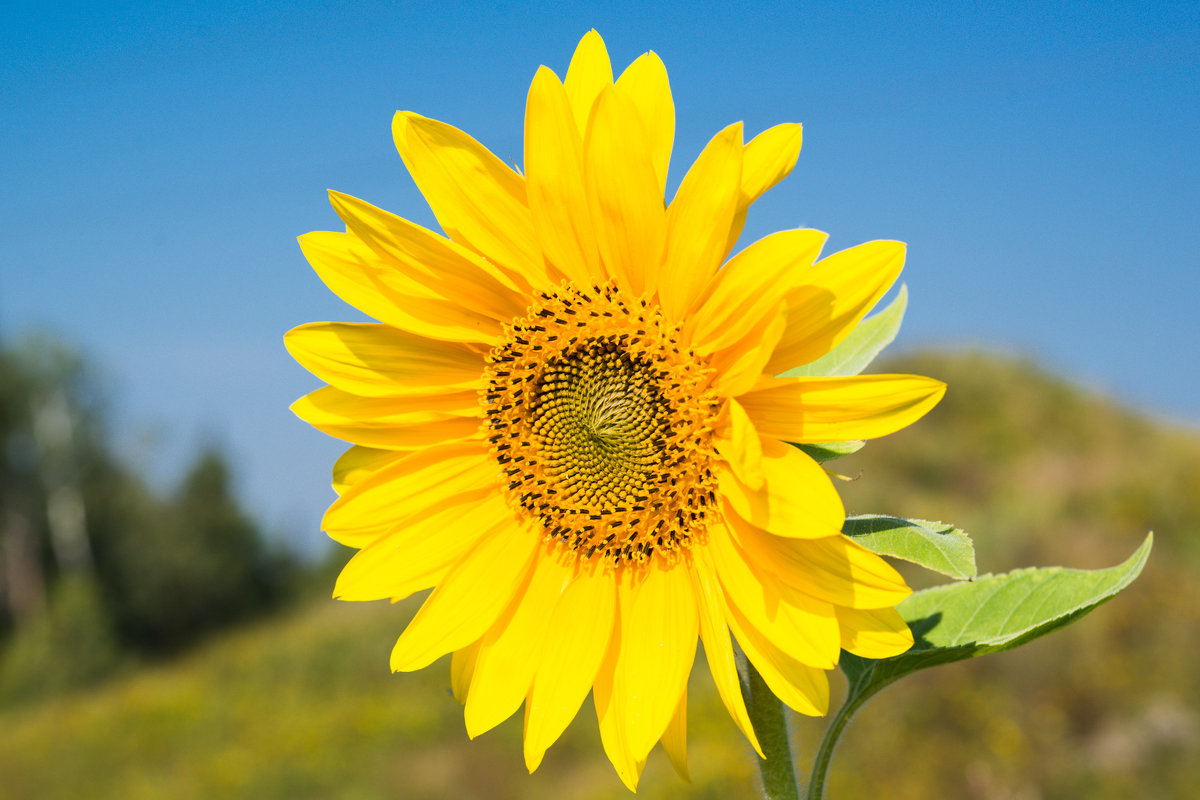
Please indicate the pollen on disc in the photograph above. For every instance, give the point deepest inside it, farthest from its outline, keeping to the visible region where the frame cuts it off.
(603, 426)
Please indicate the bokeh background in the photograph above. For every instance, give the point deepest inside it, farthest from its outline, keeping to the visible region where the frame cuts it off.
(165, 627)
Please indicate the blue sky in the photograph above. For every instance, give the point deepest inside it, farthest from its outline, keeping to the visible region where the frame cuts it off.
(157, 161)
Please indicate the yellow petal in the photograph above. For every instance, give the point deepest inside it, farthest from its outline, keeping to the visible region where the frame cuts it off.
(738, 443)
(698, 223)
(376, 360)
(589, 74)
(478, 199)
(345, 264)
(613, 716)
(877, 633)
(740, 367)
(645, 83)
(580, 629)
(803, 628)
(658, 645)
(836, 409)
(391, 422)
(835, 294)
(446, 269)
(467, 600)
(714, 632)
(353, 271)
(359, 463)
(835, 569)
(510, 651)
(330, 405)
(414, 485)
(769, 159)
(462, 666)
(410, 436)
(554, 181)
(415, 555)
(674, 739)
(803, 688)
(625, 201)
(796, 500)
(747, 288)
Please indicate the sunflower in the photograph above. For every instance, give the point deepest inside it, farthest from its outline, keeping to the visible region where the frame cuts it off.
(567, 421)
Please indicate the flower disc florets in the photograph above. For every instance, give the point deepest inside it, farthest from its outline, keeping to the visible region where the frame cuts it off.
(602, 423)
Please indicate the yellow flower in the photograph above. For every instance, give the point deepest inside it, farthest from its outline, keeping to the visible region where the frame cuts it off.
(566, 421)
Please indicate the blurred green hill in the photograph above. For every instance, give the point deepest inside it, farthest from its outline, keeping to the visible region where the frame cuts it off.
(1041, 473)
(301, 705)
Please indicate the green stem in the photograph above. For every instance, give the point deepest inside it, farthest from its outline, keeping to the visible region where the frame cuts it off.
(856, 695)
(816, 785)
(770, 726)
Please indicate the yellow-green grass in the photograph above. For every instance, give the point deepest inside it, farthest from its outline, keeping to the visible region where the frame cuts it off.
(303, 706)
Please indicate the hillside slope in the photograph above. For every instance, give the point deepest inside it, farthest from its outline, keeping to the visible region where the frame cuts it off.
(1042, 473)
(302, 706)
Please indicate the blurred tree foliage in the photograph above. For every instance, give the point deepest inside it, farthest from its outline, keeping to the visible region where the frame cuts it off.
(196, 563)
(96, 568)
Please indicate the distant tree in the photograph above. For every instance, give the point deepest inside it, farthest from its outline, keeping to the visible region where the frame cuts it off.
(195, 563)
(89, 553)
(55, 627)
(46, 413)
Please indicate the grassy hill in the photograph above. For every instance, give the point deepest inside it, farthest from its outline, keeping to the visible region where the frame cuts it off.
(302, 705)
(1042, 473)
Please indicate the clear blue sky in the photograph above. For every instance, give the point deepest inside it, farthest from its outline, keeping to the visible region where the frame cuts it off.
(157, 161)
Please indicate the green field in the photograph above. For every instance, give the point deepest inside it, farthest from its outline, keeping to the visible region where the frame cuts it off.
(301, 705)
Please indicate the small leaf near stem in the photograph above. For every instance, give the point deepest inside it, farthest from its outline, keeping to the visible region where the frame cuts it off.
(934, 545)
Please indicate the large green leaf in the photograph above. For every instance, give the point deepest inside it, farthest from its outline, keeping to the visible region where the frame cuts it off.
(856, 351)
(933, 545)
(992, 614)
(971, 618)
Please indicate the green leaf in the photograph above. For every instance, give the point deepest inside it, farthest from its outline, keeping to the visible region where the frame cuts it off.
(828, 451)
(993, 614)
(856, 351)
(933, 545)
(962, 620)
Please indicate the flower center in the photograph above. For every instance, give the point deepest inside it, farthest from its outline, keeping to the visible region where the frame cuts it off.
(602, 425)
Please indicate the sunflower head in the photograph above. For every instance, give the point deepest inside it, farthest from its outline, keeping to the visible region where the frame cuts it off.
(568, 420)
(602, 425)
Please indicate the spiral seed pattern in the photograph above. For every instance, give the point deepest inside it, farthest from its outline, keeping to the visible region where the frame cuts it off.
(602, 426)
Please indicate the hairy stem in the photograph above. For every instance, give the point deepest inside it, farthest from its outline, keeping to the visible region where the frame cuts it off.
(857, 694)
(770, 726)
